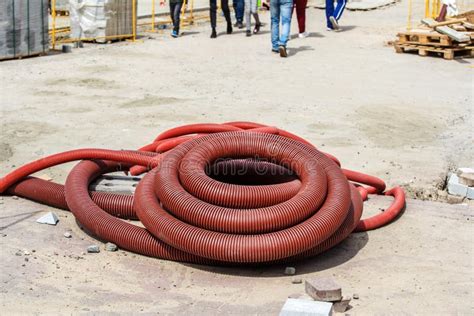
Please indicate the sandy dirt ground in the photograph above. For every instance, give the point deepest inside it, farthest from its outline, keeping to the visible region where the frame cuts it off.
(401, 117)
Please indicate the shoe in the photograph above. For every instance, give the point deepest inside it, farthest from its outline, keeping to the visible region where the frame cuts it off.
(329, 29)
(229, 28)
(334, 23)
(275, 50)
(174, 34)
(214, 33)
(303, 35)
(257, 28)
(248, 33)
(240, 25)
(283, 52)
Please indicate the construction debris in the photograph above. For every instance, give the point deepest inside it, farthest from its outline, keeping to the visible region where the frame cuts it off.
(466, 176)
(438, 38)
(460, 184)
(290, 271)
(111, 247)
(49, 218)
(342, 305)
(93, 249)
(298, 307)
(323, 289)
(67, 235)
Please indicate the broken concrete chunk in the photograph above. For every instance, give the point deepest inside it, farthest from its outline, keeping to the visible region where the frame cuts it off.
(111, 247)
(93, 249)
(470, 193)
(67, 235)
(466, 176)
(456, 188)
(49, 218)
(342, 305)
(290, 271)
(323, 289)
(297, 281)
(296, 307)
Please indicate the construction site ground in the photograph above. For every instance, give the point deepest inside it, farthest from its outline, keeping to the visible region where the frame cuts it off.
(401, 117)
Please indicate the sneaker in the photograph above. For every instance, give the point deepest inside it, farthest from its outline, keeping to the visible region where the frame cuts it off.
(229, 28)
(248, 33)
(174, 34)
(303, 35)
(334, 23)
(240, 25)
(283, 52)
(275, 50)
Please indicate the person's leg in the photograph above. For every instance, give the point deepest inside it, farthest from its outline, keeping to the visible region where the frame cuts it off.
(275, 19)
(239, 14)
(329, 12)
(226, 11)
(177, 14)
(254, 7)
(286, 9)
(234, 4)
(341, 5)
(212, 13)
(301, 14)
(248, 17)
(172, 5)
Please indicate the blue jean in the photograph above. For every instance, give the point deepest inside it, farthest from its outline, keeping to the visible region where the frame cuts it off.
(335, 12)
(239, 10)
(280, 9)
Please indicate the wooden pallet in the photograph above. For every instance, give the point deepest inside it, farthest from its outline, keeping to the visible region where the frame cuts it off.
(420, 38)
(447, 52)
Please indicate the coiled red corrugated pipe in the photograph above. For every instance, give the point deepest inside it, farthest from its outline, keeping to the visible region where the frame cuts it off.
(238, 192)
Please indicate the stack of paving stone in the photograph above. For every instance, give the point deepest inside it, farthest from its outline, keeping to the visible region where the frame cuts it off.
(23, 28)
(101, 21)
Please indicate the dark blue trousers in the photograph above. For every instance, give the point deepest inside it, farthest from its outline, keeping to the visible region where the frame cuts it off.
(335, 12)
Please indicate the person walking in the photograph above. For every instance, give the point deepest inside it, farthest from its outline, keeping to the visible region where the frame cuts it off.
(334, 14)
(239, 13)
(251, 10)
(280, 10)
(213, 14)
(300, 6)
(175, 13)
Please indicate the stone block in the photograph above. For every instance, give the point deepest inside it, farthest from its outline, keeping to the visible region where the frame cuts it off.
(456, 188)
(298, 307)
(323, 289)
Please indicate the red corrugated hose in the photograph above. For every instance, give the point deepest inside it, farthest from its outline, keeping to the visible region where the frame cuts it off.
(231, 193)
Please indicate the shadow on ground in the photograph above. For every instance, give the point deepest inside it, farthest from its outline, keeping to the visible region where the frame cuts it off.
(335, 256)
(293, 51)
